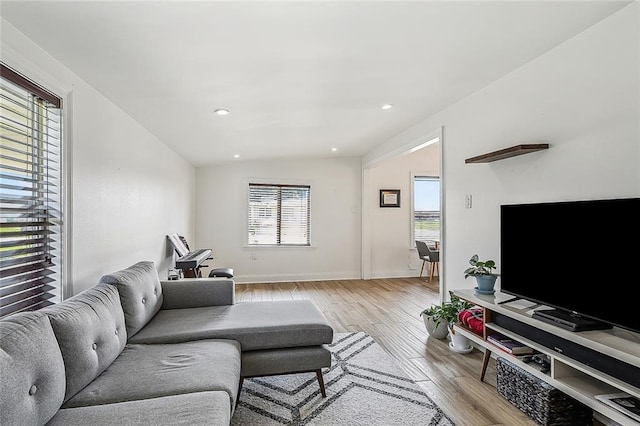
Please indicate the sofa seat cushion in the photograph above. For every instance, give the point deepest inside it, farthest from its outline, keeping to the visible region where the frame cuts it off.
(91, 332)
(256, 325)
(152, 371)
(140, 293)
(202, 408)
(32, 379)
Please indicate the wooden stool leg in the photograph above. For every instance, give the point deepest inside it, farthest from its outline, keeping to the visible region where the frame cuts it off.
(321, 383)
(485, 362)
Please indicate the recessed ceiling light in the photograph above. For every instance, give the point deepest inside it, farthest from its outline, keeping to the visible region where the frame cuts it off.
(222, 111)
(334, 149)
(236, 156)
(387, 106)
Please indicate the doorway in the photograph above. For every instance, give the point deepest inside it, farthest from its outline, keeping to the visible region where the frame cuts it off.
(388, 234)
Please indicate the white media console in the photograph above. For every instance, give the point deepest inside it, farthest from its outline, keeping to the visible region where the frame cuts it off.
(582, 364)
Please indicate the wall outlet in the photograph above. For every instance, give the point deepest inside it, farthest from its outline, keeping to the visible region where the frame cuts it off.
(467, 202)
(254, 256)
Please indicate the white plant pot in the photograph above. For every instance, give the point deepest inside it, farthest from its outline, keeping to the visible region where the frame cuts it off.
(459, 342)
(439, 332)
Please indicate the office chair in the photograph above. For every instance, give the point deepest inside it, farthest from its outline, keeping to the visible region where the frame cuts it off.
(428, 255)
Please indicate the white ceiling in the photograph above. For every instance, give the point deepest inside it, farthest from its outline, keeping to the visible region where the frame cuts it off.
(299, 77)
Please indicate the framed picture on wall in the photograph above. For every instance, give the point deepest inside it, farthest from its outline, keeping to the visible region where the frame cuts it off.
(389, 198)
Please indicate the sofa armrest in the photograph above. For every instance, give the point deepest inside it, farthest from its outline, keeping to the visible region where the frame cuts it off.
(197, 293)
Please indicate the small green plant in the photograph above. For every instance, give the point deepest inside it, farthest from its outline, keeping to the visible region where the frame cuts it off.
(480, 267)
(447, 311)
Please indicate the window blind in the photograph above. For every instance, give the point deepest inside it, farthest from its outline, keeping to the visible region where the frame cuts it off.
(30, 194)
(279, 215)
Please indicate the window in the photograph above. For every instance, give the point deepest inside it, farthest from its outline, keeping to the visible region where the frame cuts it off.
(278, 215)
(426, 208)
(30, 195)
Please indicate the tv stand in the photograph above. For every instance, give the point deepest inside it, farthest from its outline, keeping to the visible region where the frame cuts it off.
(569, 321)
(582, 364)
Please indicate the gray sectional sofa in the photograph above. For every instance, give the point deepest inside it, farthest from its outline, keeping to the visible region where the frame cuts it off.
(136, 350)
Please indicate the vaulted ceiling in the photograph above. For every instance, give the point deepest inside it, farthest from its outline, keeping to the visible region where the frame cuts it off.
(298, 77)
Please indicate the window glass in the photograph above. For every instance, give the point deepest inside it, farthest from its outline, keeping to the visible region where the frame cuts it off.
(30, 195)
(279, 215)
(426, 208)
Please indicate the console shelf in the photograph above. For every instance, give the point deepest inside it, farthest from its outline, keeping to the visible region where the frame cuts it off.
(572, 376)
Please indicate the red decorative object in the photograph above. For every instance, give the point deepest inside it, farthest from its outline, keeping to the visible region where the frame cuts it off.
(472, 318)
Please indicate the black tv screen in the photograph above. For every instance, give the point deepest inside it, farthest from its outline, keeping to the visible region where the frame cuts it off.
(578, 256)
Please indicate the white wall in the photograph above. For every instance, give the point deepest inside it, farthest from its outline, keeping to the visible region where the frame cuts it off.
(393, 254)
(221, 219)
(581, 97)
(128, 189)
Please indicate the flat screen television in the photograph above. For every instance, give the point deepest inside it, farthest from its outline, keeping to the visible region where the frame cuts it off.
(580, 257)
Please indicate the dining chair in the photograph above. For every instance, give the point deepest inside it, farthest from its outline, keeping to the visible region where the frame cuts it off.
(428, 255)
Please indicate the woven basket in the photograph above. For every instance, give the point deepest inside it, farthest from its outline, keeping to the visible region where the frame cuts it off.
(538, 399)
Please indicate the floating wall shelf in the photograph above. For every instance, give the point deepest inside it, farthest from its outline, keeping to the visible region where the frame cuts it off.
(507, 153)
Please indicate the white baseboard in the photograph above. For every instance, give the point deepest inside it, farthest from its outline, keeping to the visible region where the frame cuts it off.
(322, 276)
(399, 274)
(280, 278)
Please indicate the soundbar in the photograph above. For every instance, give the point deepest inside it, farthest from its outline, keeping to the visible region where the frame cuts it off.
(621, 370)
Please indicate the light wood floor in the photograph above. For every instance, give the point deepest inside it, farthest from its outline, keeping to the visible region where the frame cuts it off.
(389, 311)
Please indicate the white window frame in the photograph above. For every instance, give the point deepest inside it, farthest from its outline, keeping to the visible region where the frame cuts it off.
(280, 182)
(414, 174)
(28, 70)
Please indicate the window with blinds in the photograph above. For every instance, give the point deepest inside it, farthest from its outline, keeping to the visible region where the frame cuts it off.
(30, 195)
(279, 215)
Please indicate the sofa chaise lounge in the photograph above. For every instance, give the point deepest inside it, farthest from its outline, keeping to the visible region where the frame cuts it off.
(137, 350)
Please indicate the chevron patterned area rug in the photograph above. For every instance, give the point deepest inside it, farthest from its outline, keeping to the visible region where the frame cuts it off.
(364, 386)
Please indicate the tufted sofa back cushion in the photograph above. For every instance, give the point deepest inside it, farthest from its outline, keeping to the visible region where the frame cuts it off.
(91, 333)
(31, 370)
(140, 293)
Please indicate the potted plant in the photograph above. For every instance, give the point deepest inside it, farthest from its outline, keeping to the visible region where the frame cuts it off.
(434, 324)
(483, 271)
(452, 309)
(445, 315)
